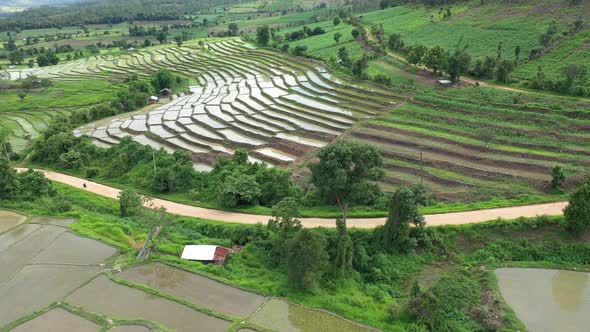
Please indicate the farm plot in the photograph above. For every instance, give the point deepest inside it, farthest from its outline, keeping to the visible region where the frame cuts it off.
(464, 149)
(41, 263)
(57, 320)
(197, 289)
(105, 296)
(277, 106)
(23, 127)
(279, 315)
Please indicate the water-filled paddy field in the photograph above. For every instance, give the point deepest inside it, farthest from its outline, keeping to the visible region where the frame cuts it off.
(547, 300)
(54, 280)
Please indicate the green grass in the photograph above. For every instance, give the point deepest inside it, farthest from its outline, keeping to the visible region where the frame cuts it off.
(62, 94)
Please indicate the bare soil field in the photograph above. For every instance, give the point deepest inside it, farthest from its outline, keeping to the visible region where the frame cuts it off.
(197, 289)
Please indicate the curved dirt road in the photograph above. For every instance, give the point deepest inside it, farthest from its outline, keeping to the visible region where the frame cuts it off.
(455, 218)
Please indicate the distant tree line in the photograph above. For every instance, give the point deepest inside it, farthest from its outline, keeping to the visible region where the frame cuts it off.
(106, 12)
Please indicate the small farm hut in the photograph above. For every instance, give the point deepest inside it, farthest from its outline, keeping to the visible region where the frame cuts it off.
(153, 100)
(205, 253)
(165, 92)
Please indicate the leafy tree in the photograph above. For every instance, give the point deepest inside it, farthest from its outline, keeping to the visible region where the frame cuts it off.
(233, 29)
(129, 202)
(355, 33)
(178, 40)
(504, 68)
(34, 184)
(395, 42)
(344, 57)
(147, 43)
(16, 57)
(345, 174)
(285, 214)
(575, 73)
(403, 212)
(263, 35)
(359, 66)
(163, 79)
(458, 64)
(161, 37)
(300, 50)
(435, 59)
(344, 246)
(306, 259)
(336, 20)
(577, 213)
(337, 37)
(557, 178)
(10, 186)
(239, 189)
(71, 159)
(416, 54)
(22, 96)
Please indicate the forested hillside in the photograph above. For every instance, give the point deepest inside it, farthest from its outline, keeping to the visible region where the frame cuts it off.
(107, 12)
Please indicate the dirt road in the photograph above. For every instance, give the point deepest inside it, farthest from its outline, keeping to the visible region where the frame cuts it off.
(243, 218)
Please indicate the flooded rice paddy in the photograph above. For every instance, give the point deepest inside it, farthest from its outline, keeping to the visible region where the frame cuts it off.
(58, 320)
(9, 220)
(41, 263)
(547, 300)
(107, 297)
(196, 289)
(282, 316)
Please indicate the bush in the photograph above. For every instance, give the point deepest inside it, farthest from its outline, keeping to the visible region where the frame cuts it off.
(92, 172)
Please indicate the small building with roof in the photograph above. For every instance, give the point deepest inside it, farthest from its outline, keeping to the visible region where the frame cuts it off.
(205, 253)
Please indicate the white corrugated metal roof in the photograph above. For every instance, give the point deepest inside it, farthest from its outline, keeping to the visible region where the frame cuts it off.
(200, 252)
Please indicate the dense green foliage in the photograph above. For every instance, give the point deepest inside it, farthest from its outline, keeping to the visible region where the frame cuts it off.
(577, 213)
(105, 12)
(344, 174)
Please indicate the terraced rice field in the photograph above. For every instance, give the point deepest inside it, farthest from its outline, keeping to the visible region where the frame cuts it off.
(278, 107)
(462, 148)
(26, 126)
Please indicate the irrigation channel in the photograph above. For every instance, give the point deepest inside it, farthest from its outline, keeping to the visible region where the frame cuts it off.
(54, 280)
(455, 218)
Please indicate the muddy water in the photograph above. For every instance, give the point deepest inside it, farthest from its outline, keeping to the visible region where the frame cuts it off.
(196, 289)
(36, 286)
(72, 249)
(107, 297)
(58, 320)
(547, 300)
(9, 220)
(285, 317)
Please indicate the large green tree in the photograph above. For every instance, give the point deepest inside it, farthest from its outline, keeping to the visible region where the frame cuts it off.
(577, 213)
(346, 173)
(306, 259)
(403, 212)
(10, 186)
(458, 64)
(263, 35)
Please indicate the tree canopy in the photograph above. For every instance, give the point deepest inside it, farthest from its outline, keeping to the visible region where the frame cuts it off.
(345, 174)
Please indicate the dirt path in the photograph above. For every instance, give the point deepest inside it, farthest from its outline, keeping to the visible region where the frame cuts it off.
(455, 218)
